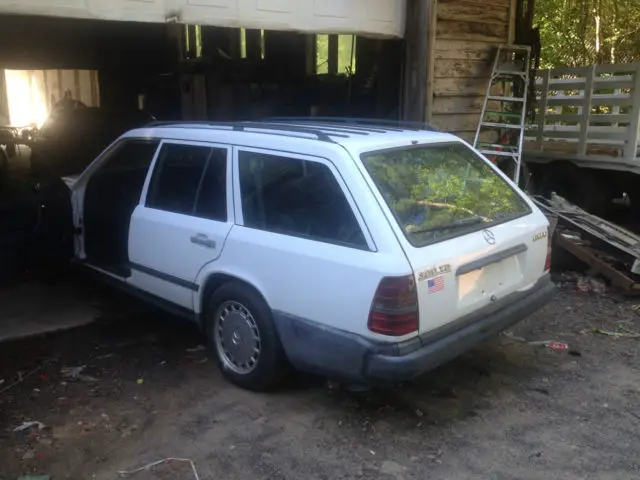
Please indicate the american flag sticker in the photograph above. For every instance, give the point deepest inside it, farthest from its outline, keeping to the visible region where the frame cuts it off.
(435, 284)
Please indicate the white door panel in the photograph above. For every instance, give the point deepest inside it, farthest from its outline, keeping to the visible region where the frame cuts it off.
(183, 221)
(180, 294)
(167, 250)
(371, 17)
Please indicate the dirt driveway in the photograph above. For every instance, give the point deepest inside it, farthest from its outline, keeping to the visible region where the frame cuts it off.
(506, 410)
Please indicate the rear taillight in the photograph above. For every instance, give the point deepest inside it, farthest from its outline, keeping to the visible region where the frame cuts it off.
(394, 310)
(547, 262)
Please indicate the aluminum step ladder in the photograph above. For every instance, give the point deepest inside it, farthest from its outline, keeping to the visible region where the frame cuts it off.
(504, 109)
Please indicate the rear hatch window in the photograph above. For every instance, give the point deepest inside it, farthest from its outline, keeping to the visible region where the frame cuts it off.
(443, 190)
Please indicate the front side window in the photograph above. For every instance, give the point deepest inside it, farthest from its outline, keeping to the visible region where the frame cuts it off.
(130, 154)
(190, 180)
(442, 190)
(296, 197)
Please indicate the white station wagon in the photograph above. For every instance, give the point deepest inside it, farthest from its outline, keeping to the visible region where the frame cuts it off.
(364, 251)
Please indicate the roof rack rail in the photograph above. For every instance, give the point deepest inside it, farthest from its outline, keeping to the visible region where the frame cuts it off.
(242, 126)
(359, 121)
(328, 127)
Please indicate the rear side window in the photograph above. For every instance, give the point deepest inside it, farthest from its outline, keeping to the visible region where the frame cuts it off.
(442, 190)
(190, 180)
(296, 197)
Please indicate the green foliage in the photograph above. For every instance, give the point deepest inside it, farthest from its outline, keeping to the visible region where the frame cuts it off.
(437, 186)
(346, 54)
(322, 54)
(577, 33)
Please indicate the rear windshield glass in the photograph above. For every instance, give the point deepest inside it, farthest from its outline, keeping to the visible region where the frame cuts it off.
(442, 190)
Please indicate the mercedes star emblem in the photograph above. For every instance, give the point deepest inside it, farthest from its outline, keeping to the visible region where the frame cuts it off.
(489, 237)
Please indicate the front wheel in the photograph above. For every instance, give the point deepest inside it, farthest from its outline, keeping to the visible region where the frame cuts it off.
(243, 339)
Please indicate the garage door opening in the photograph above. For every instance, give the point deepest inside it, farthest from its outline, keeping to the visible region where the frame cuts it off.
(33, 94)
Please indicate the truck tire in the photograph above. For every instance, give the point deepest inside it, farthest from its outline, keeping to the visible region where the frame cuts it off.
(577, 185)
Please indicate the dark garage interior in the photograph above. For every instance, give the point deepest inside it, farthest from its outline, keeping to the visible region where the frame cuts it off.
(97, 78)
(199, 72)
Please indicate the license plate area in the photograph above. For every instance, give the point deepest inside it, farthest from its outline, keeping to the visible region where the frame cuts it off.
(490, 280)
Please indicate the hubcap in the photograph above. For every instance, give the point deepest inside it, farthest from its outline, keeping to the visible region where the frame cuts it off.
(237, 337)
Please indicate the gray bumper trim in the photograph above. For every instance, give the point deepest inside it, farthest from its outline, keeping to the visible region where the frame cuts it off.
(344, 356)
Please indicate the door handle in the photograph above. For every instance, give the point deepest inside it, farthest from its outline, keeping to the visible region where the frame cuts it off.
(203, 240)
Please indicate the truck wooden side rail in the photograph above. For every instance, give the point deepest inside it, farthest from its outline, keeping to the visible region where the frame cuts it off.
(584, 140)
(589, 115)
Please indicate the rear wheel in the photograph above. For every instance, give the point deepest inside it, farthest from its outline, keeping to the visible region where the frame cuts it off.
(243, 339)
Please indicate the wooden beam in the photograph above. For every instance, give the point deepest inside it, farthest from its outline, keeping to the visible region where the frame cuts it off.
(513, 20)
(472, 31)
(446, 68)
(4, 99)
(473, 11)
(333, 54)
(253, 44)
(431, 48)
(417, 60)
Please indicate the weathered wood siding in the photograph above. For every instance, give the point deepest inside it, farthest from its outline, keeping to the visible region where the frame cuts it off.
(466, 35)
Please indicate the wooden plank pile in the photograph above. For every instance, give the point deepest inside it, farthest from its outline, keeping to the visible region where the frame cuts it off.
(607, 248)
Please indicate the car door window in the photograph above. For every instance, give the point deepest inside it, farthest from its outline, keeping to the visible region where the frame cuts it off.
(296, 197)
(111, 195)
(118, 181)
(190, 180)
(130, 155)
(212, 197)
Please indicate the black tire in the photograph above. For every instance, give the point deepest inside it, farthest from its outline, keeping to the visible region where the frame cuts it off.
(583, 187)
(271, 365)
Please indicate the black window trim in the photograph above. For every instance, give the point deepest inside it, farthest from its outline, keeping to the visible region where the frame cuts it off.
(459, 233)
(146, 191)
(344, 187)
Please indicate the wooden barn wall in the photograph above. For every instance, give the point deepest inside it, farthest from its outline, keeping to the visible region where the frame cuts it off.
(466, 35)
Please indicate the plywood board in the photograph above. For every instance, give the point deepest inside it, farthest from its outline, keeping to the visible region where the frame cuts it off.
(473, 11)
(463, 50)
(457, 122)
(456, 30)
(450, 105)
(460, 87)
(446, 68)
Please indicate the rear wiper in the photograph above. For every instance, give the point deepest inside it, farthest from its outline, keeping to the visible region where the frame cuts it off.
(463, 222)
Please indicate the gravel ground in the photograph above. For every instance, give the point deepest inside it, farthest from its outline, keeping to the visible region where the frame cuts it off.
(505, 410)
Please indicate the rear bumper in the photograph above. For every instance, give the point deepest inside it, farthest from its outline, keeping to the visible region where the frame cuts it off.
(348, 357)
(439, 347)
